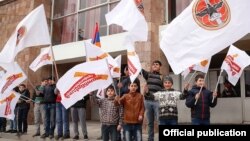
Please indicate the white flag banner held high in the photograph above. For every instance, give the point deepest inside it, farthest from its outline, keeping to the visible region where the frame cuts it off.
(203, 66)
(116, 71)
(234, 63)
(83, 79)
(129, 15)
(94, 52)
(13, 77)
(31, 31)
(134, 65)
(44, 58)
(8, 103)
(203, 29)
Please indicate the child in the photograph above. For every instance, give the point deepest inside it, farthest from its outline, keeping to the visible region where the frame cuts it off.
(200, 111)
(168, 113)
(133, 105)
(110, 114)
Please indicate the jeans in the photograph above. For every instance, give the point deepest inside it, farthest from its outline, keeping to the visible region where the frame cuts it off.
(197, 121)
(22, 119)
(50, 115)
(109, 130)
(13, 123)
(168, 122)
(133, 130)
(62, 120)
(152, 113)
(39, 115)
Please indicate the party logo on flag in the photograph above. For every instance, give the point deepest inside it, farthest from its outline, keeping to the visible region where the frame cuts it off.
(211, 14)
(234, 67)
(139, 5)
(8, 103)
(85, 80)
(20, 34)
(44, 58)
(10, 80)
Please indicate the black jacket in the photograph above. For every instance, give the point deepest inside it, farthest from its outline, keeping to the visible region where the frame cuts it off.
(202, 108)
(81, 103)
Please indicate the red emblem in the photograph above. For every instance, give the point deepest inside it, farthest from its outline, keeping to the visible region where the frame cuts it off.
(139, 5)
(20, 34)
(211, 14)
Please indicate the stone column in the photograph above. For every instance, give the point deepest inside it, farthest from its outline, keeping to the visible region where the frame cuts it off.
(149, 51)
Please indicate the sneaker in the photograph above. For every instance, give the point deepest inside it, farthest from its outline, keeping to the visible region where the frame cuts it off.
(9, 131)
(85, 137)
(44, 135)
(58, 137)
(66, 137)
(51, 136)
(37, 134)
(76, 137)
(14, 131)
(99, 138)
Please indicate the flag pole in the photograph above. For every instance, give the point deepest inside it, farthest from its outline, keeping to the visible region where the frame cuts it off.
(192, 77)
(216, 86)
(54, 62)
(200, 89)
(112, 78)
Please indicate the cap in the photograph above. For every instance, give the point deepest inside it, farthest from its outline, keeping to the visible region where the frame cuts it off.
(168, 78)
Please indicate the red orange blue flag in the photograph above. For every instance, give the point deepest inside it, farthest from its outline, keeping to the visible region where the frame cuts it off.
(96, 37)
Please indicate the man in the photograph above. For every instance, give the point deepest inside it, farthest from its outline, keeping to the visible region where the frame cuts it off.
(154, 84)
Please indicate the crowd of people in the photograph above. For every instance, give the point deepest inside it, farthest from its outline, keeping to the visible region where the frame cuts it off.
(121, 115)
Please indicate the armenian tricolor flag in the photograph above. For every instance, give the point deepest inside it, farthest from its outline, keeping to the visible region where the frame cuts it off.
(96, 37)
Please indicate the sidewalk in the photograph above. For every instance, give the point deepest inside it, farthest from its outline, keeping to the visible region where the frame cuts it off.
(93, 127)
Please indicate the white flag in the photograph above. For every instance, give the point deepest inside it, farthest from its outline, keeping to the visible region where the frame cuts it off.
(203, 66)
(134, 65)
(129, 15)
(1, 74)
(203, 29)
(13, 77)
(187, 71)
(100, 93)
(31, 31)
(44, 58)
(116, 71)
(83, 79)
(7, 104)
(234, 63)
(94, 52)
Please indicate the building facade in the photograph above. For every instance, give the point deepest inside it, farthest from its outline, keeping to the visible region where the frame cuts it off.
(72, 22)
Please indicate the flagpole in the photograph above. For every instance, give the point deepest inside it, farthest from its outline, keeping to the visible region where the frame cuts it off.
(54, 62)
(192, 76)
(216, 86)
(111, 78)
(26, 97)
(200, 89)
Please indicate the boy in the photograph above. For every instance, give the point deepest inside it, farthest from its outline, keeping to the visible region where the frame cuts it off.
(110, 115)
(133, 105)
(168, 113)
(200, 111)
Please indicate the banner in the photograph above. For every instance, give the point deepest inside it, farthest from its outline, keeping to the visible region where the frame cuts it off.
(83, 79)
(31, 31)
(234, 63)
(44, 58)
(203, 29)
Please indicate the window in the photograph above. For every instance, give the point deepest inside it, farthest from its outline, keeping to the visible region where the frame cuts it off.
(225, 88)
(175, 7)
(73, 22)
(247, 82)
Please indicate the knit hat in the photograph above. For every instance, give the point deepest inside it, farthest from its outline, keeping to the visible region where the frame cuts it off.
(168, 78)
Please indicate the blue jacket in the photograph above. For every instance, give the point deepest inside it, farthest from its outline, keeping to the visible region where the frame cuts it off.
(202, 108)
